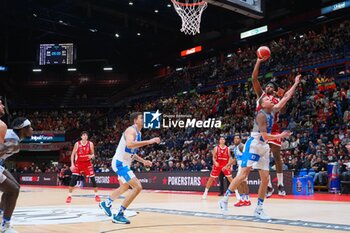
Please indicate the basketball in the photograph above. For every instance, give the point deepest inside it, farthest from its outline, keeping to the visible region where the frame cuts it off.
(263, 52)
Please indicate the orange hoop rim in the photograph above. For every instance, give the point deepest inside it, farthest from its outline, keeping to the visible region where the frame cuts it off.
(189, 4)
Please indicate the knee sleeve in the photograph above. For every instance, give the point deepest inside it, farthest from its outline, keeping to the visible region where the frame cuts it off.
(93, 181)
(73, 180)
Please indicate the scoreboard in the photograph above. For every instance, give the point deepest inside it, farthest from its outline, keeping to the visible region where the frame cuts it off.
(250, 8)
(56, 54)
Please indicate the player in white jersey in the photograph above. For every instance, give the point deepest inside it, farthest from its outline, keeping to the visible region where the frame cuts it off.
(127, 152)
(256, 152)
(243, 190)
(9, 145)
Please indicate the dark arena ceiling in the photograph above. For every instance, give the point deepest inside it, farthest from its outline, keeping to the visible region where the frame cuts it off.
(131, 35)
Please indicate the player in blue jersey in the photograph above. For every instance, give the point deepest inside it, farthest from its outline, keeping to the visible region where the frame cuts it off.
(9, 145)
(243, 190)
(256, 152)
(127, 152)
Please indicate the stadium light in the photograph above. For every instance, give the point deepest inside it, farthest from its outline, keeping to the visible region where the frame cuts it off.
(156, 11)
(72, 69)
(107, 68)
(117, 35)
(131, 3)
(36, 70)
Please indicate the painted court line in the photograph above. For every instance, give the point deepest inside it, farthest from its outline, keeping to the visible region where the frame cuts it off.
(286, 222)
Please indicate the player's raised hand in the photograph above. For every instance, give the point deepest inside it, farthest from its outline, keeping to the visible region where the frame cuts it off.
(262, 59)
(147, 163)
(297, 78)
(155, 140)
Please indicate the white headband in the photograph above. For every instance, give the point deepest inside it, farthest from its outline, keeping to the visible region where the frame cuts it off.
(23, 125)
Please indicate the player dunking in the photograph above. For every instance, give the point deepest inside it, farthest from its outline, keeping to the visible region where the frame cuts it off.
(126, 152)
(256, 152)
(275, 144)
(243, 189)
(84, 152)
(10, 139)
(222, 162)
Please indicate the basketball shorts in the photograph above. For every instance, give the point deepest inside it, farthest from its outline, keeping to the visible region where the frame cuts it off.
(125, 174)
(276, 142)
(2, 176)
(85, 168)
(215, 172)
(256, 154)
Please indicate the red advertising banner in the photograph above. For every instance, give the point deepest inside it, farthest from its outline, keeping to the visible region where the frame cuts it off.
(191, 51)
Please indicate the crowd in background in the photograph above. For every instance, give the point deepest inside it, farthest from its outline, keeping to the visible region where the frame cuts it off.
(318, 114)
(291, 51)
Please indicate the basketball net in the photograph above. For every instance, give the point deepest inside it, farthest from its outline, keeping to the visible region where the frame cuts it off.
(190, 12)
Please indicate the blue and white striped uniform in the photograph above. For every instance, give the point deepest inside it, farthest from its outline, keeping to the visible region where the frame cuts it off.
(123, 157)
(238, 155)
(256, 152)
(10, 135)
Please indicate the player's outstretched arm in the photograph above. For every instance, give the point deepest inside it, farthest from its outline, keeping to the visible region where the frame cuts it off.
(296, 83)
(141, 160)
(288, 95)
(256, 84)
(261, 120)
(130, 136)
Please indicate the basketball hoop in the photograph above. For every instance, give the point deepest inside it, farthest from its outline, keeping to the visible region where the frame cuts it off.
(190, 12)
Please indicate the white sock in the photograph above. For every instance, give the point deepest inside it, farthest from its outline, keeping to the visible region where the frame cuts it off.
(206, 191)
(280, 178)
(270, 184)
(237, 195)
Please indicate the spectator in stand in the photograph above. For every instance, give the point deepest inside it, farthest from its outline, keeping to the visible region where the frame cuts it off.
(170, 166)
(320, 169)
(105, 168)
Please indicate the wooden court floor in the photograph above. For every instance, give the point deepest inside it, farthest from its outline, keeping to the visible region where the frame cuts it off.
(43, 210)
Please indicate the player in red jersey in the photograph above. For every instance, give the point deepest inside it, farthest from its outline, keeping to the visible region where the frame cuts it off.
(84, 151)
(222, 162)
(271, 90)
